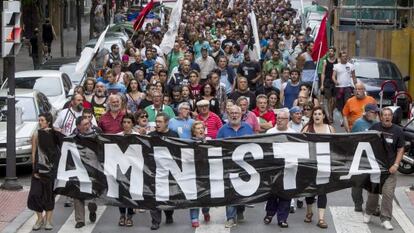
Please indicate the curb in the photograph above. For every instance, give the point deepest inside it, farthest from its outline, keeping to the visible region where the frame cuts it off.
(18, 222)
(405, 204)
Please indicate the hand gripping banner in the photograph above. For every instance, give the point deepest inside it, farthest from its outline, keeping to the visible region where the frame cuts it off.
(153, 172)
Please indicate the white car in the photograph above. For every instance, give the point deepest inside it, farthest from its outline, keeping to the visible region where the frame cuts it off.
(29, 103)
(56, 85)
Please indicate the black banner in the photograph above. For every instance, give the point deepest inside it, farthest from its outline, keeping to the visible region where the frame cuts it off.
(149, 172)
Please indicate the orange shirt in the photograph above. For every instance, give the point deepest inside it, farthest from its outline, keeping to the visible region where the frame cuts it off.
(354, 108)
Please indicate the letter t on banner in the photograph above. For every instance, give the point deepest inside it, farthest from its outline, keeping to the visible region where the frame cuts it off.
(291, 152)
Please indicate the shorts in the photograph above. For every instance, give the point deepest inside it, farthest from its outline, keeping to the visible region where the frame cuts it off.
(342, 95)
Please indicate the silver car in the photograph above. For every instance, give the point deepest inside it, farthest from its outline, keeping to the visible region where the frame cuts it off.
(29, 104)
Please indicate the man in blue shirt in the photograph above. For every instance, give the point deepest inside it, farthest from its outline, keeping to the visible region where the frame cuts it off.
(234, 128)
(114, 87)
(360, 125)
(182, 123)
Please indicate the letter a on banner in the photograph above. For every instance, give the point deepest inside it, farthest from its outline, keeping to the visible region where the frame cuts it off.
(63, 175)
(354, 170)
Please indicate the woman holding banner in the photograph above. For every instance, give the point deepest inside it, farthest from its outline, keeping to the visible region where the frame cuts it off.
(41, 198)
(318, 123)
(198, 130)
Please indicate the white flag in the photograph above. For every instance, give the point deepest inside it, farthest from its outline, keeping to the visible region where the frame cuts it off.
(231, 5)
(168, 40)
(255, 54)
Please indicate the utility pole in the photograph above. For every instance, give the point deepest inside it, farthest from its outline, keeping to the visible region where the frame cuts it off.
(11, 33)
(79, 27)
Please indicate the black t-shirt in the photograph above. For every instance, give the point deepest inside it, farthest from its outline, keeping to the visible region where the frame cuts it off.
(249, 95)
(144, 103)
(394, 138)
(137, 66)
(169, 133)
(250, 71)
(35, 47)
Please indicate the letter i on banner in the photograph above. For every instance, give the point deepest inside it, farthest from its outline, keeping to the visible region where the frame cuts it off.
(323, 158)
(215, 162)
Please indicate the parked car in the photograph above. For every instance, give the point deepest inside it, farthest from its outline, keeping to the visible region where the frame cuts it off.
(29, 104)
(126, 27)
(67, 65)
(109, 41)
(54, 84)
(373, 72)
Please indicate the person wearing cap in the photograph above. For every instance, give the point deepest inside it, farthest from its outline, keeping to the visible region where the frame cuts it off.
(354, 106)
(212, 122)
(368, 119)
(206, 63)
(296, 123)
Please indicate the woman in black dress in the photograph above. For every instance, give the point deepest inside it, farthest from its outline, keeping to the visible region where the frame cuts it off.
(41, 197)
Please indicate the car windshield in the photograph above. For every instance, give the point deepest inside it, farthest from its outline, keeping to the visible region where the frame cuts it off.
(376, 70)
(70, 70)
(26, 104)
(50, 86)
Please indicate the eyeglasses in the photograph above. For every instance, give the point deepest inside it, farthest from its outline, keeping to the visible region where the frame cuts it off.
(143, 116)
(282, 118)
(306, 109)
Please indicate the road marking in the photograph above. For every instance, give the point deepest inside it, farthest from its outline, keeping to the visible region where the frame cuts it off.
(346, 220)
(70, 223)
(28, 225)
(401, 218)
(216, 224)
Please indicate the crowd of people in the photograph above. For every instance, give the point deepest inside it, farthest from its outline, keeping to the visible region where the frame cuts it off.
(210, 86)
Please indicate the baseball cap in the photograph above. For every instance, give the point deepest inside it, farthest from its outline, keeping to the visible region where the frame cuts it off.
(125, 57)
(371, 107)
(295, 109)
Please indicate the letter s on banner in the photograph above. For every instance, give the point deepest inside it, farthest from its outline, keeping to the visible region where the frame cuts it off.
(63, 175)
(246, 188)
(186, 178)
(132, 158)
(354, 170)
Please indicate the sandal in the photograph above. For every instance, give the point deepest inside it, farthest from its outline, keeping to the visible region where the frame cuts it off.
(308, 217)
(129, 222)
(267, 220)
(322, 224)
(121, 221)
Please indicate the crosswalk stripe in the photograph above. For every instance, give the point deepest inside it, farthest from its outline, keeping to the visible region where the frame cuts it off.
(218, 216)
(28, 225)
(70, 223)
(346, 220)
(402, 219)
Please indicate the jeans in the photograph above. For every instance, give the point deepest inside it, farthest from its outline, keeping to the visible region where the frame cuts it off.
(357, 196)
(280, 206)
(387, 197)
(194, 213)
(123, 210)
(322, 201)
(232, 211)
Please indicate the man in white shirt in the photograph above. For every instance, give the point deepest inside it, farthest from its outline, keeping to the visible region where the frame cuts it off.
(282, 124)
(344, 78)
(206, 63)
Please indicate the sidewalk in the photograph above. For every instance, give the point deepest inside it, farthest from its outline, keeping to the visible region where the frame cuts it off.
(24, 61)
(405, 198)
(12, 204)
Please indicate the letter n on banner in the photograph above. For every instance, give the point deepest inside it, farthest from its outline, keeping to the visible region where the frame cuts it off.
(63, 175)
(291, 152)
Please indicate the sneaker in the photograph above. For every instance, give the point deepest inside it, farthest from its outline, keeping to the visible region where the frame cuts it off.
(195, 224)
(283, 224)
(37, 225)
(387, 225)
(367, 218)
(48, 226)
(358, 209)
(292, 209)
(240, 217)
(207, 218)
(79, 225)
(299, 204)
(230, 223)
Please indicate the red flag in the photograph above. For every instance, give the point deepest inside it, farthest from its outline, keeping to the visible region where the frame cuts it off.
(139, 21)
(320, 46)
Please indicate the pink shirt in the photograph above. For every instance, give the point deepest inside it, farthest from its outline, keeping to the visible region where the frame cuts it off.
(251, 119)
(111, 125)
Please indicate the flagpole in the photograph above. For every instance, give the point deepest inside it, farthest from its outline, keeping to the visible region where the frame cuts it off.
(316, 69)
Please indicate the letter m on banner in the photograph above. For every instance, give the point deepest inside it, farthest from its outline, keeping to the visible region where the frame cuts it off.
(10, 28)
